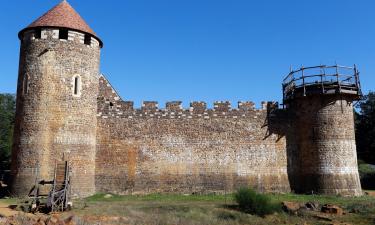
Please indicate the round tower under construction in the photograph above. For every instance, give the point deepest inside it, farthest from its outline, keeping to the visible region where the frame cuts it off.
(321, 137)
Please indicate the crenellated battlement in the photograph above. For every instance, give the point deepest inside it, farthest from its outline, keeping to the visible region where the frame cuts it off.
(62, 34)
(195, 106)
(175, 110)
(111, 105)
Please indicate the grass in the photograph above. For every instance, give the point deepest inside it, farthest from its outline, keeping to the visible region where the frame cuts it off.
(9, 201)
(214, 209)
(159, 197)
(165, 209)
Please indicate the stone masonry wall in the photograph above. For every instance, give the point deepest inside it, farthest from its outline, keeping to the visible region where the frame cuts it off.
(186, 150)
(321, 146)
(50, 121)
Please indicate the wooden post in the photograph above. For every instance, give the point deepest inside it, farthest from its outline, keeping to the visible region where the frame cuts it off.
(303, 81)
(323, 73)
(337, 77)
(356, 78)
(54, 189)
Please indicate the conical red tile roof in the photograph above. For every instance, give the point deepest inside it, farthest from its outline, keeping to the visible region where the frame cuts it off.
(62, 15)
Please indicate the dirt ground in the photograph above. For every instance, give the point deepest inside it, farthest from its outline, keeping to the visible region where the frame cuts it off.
(5, 211)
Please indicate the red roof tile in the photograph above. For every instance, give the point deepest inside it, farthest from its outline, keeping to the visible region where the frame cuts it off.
(62, 15)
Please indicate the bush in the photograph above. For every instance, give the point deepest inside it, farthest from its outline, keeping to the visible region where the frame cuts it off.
(251, 202)
(367, 175)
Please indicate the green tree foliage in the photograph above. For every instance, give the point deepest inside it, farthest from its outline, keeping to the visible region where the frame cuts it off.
(365, 128)
(7, 111)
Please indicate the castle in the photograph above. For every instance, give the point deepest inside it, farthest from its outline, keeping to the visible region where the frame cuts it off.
(67, 109)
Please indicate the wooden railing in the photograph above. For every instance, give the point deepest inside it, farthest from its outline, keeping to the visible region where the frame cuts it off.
(321, 80)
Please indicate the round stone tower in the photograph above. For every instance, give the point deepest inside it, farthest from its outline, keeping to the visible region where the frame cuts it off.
(56, 101)
(321, 139)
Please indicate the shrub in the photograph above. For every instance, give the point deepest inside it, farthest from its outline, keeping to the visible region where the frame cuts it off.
(367, 175)
(254, 203)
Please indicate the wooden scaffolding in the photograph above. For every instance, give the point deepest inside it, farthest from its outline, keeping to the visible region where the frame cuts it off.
(56, 197)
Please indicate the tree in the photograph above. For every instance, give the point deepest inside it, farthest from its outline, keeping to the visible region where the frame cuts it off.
(7, 114)
(365, 128)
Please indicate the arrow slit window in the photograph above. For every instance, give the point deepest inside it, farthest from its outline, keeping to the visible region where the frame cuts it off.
(26, 84)
(77, 86)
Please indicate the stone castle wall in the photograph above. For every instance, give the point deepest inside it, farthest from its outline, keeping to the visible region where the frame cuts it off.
(186, 150)
(51, 122)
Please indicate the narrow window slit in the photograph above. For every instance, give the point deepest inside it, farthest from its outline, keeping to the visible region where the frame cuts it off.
(63, 34)
(87, 39)
(76, 83)
(38, 33)
(26, 84)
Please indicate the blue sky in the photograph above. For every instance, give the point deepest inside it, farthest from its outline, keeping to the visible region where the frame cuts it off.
(208, 49)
